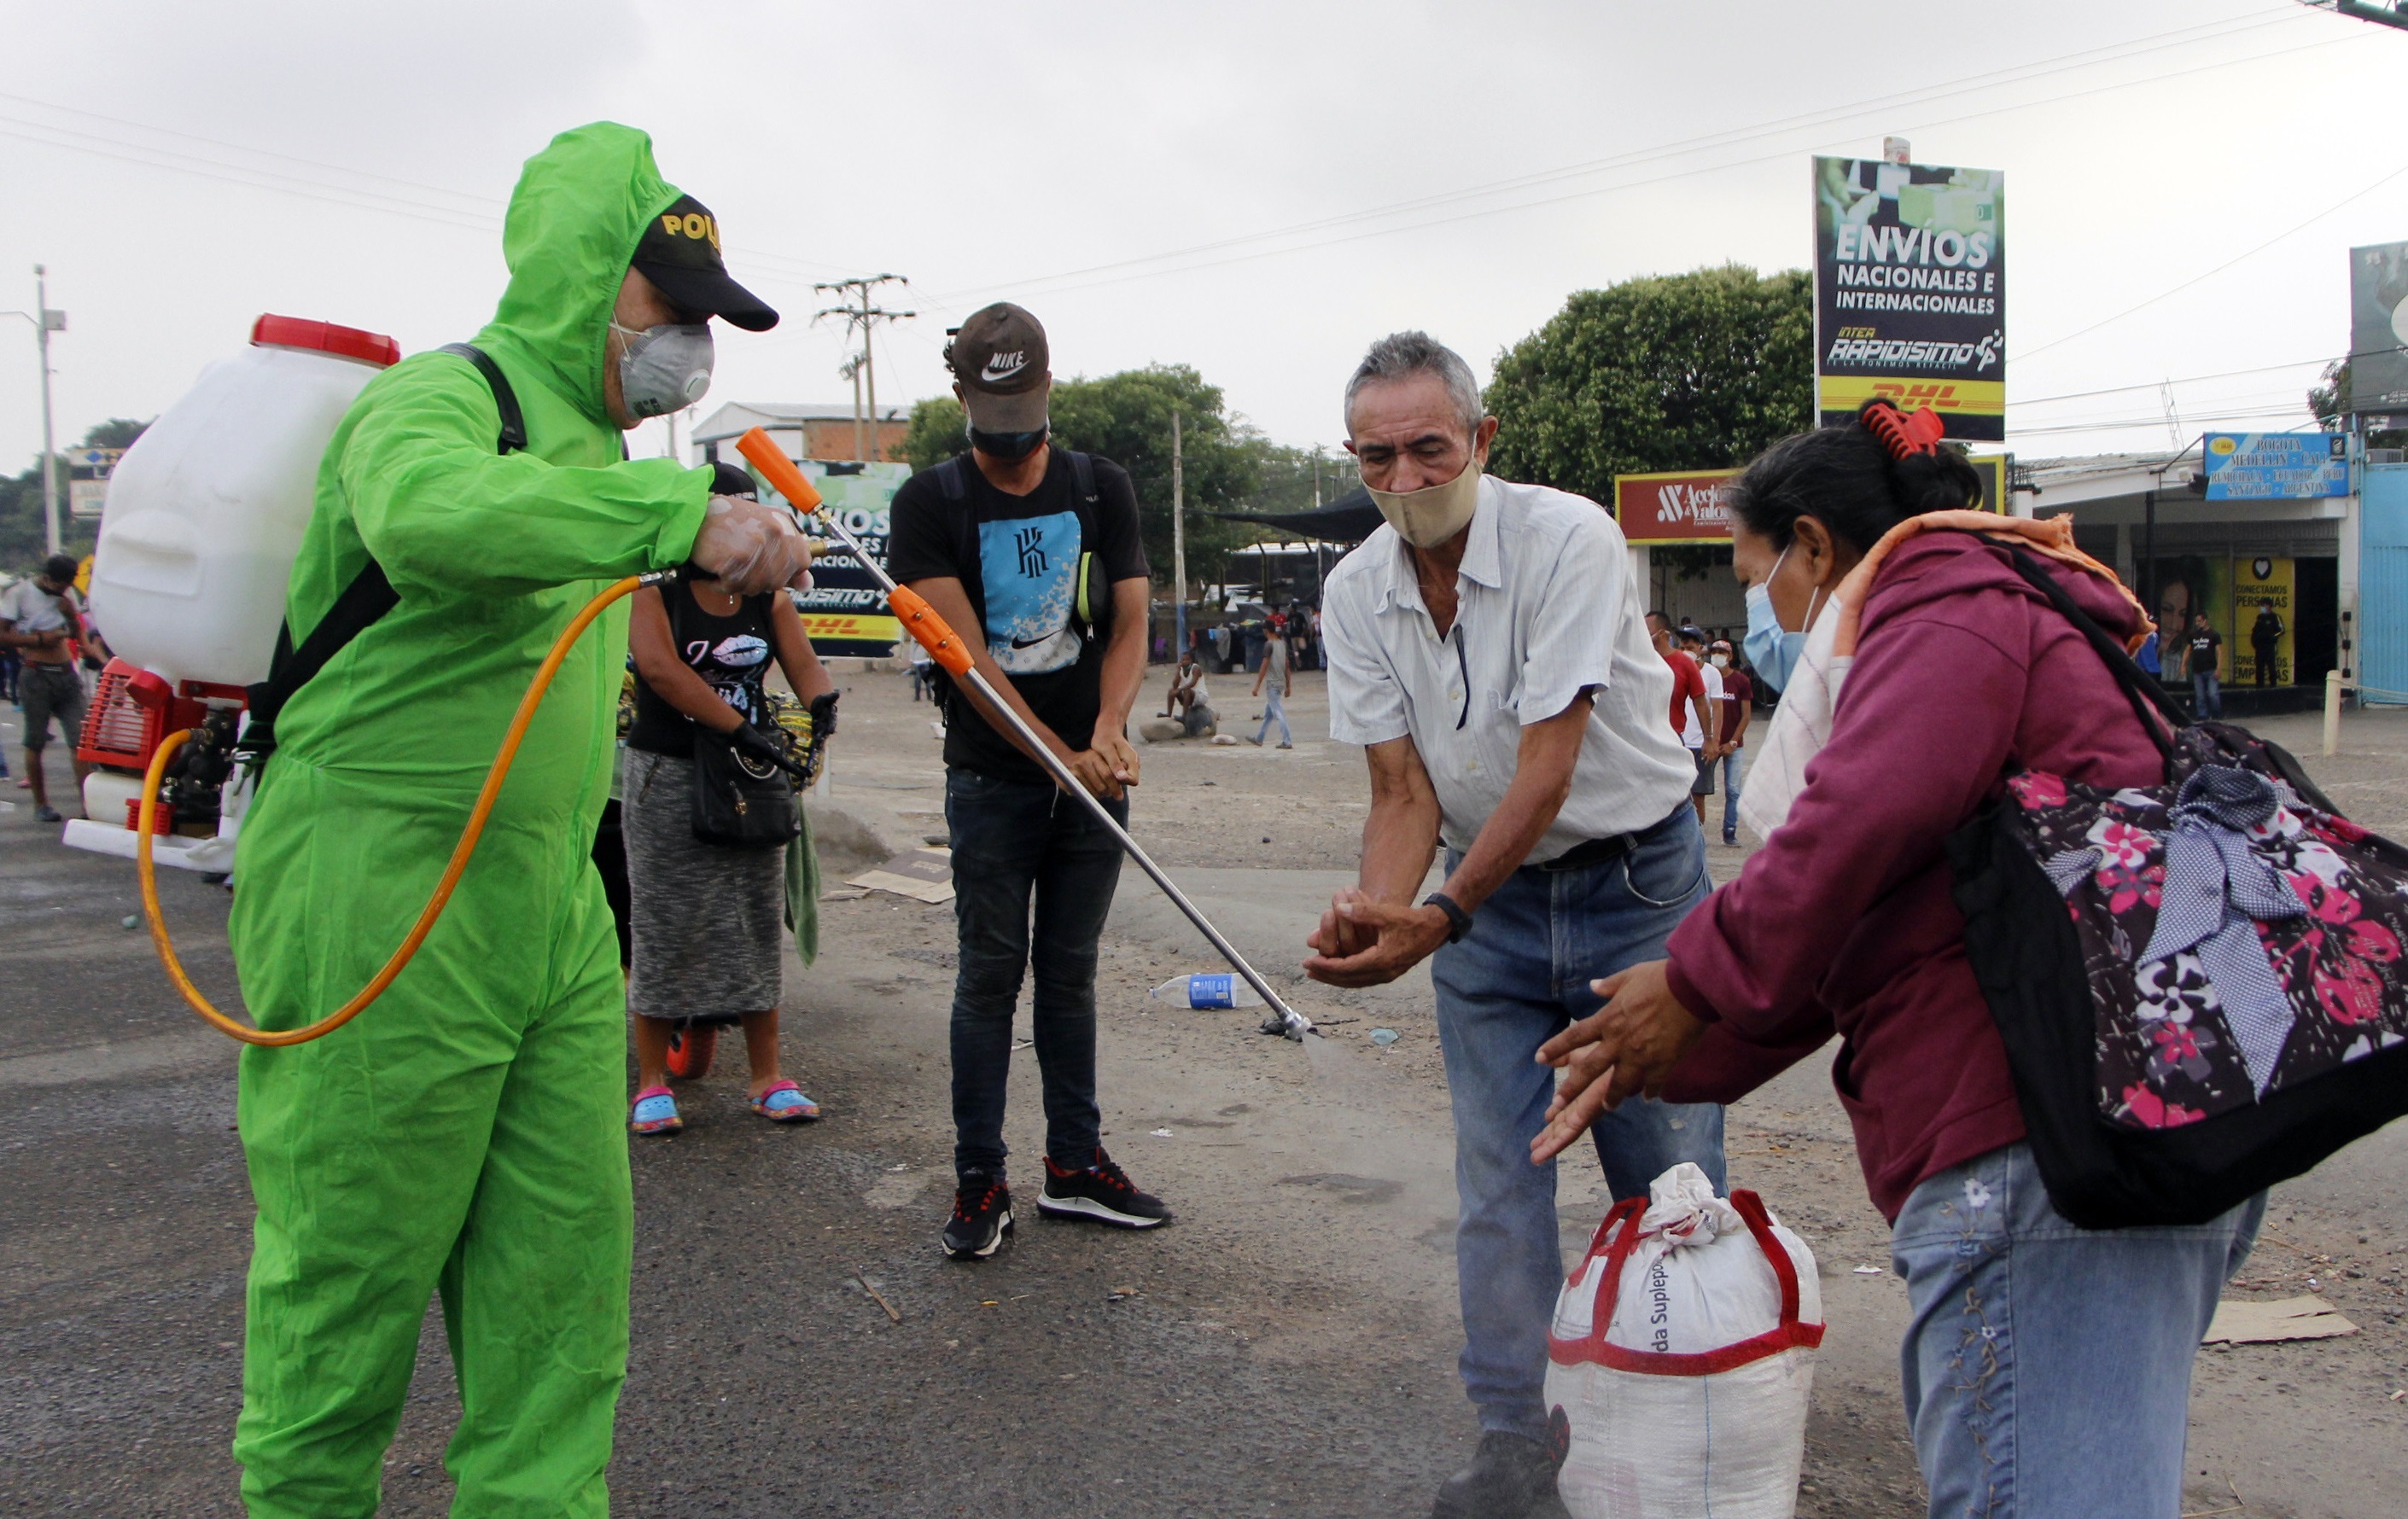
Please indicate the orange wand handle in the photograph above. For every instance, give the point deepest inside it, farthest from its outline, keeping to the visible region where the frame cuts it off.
(911, 608)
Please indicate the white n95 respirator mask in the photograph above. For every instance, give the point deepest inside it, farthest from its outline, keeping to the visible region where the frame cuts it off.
(664, 369)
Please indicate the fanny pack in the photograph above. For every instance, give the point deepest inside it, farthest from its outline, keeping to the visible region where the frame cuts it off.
(740, 801)
(2198, 983)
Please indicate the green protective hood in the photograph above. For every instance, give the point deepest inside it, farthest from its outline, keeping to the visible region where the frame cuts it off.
(574, 220)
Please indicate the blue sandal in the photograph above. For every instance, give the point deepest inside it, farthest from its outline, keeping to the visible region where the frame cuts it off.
(655, 1112)
(784, 1103)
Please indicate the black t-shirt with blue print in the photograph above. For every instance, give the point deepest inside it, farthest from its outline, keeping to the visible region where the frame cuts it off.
(1018, 556)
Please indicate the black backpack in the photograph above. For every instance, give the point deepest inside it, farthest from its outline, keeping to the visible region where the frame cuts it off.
(366, 598)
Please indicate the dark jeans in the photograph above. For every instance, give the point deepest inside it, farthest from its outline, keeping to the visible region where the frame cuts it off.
(2206, 698)
(1014, 840)
(2265, 652)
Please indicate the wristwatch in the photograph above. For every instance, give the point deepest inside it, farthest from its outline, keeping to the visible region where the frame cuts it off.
(1458, 922)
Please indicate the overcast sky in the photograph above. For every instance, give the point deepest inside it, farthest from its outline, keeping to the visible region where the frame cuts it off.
(1132, 174)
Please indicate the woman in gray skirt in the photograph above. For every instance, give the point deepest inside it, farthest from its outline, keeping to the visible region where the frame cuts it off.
(706, 918)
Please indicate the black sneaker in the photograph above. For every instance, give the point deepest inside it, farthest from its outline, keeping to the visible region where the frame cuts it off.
(981, 1216)
(1511, 1477)
(1101, 1192)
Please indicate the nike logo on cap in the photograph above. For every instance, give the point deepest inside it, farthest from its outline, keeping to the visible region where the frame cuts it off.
(1004, 365)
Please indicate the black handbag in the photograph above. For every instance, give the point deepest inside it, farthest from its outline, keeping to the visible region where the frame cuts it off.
(742, 799)
(2199, 984)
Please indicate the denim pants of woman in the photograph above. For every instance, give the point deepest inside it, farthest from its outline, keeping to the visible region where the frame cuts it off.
(2047, 1368)
(1517, 978)
(1023, 853)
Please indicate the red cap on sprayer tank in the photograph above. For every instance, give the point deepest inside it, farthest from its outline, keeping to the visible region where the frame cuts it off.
(326, 338)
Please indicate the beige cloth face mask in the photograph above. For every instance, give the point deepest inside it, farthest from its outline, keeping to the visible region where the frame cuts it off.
(1433, 514)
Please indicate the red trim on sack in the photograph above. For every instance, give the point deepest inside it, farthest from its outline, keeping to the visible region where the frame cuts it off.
(1593, 1350)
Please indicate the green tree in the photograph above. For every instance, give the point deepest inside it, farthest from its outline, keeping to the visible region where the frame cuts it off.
(1686, 371)
(2330, 401)
(23, 541)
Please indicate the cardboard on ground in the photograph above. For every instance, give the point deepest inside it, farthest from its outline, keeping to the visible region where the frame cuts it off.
(2285, 1318)
(924, 875)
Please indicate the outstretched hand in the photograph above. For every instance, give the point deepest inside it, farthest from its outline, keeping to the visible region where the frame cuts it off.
(1625, 1049)
(1364, 943)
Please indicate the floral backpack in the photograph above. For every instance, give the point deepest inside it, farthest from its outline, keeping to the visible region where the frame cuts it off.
(2199, 983)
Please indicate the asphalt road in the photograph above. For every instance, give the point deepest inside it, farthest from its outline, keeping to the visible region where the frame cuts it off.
(1285, 1347)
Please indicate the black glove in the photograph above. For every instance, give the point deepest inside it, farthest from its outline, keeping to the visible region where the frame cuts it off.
(768, 747)
(824, 717)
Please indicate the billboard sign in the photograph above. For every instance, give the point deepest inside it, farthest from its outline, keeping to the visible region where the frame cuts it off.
(1910, 292)
(88, 472)
(1683, 506)
(1687, 506)
(2378, 328)
(2276, 467)
(845, 612)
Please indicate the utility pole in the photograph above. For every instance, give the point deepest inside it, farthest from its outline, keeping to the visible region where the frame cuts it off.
(1178, 538)
(860, 314)
(46, 322)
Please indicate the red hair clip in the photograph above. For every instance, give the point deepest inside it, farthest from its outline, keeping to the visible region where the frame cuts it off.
(1903, 433)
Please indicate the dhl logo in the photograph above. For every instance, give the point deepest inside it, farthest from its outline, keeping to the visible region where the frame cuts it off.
(1911, 397)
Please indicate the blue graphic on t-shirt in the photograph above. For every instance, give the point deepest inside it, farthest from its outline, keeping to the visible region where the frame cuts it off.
(1030, 567)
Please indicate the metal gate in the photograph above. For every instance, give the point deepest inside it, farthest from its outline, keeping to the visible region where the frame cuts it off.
(2383, 582)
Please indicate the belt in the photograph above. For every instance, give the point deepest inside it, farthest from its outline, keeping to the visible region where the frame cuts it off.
(1606, 851)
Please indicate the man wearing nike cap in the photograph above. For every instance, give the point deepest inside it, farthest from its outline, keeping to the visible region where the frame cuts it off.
(1032, 553)
(463, 1134)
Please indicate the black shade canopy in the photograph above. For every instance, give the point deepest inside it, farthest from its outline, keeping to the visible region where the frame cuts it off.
(1350, 519)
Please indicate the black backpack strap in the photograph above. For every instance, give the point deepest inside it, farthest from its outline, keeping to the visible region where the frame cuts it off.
(506, 400)
(2143, 693)
(1083, 472)
(370, 596)
(948, 479)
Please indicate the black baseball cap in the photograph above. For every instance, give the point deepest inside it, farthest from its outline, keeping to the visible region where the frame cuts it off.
(1001, 359)
(679, 253)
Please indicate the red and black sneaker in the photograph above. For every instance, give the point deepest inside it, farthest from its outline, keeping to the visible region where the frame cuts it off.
(690, 1051)
(981, 1216)
(1101, 1193)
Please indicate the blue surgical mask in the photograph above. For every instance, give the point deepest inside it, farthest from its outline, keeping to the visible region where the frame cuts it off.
(1772, 650)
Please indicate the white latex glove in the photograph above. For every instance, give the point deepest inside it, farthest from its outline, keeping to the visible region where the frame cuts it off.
(752, 547)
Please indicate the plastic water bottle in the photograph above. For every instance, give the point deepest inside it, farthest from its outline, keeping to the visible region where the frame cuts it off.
(1224, 989)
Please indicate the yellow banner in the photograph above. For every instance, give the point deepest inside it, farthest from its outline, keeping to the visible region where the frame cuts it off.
(1956, 397)
(853, 627)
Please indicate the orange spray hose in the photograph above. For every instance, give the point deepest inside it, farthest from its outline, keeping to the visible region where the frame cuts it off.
(460, 852)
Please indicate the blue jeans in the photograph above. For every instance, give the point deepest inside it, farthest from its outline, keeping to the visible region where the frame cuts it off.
(2047, 1368)
(1273, 711)
(1015, 840)
(2206, 697)
(1519, 977)
(1734, 766)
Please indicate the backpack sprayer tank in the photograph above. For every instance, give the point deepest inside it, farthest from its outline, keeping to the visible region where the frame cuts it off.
(206, 513)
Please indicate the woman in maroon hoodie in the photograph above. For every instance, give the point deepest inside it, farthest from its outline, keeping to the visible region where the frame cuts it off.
(2047, 1368)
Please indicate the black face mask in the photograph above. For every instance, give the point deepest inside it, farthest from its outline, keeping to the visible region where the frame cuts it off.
(1007, 445)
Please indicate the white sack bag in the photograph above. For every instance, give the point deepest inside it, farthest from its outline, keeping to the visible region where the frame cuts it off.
(1681, 1358)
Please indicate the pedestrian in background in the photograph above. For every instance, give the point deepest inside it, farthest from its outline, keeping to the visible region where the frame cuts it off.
(39, 619)
(1569, 850)
(1274, 685)
(706, 919)
(2205, 665)
(2265, 641)
(2047, 1368)
(1692, 713)
(1736, 712)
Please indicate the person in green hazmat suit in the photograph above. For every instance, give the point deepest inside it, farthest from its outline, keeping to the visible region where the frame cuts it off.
(463, 1134)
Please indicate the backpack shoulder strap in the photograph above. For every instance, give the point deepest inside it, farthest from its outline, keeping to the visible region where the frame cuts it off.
(948, 479)
(514, 434)
(1082, 474)
(366, 598)
(2143, 693)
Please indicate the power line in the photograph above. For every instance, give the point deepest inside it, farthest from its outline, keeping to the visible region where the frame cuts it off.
(2240, 258)
(1023, 287)
(2017, 74)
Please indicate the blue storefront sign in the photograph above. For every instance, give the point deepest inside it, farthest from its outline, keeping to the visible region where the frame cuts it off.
(2276, 467)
